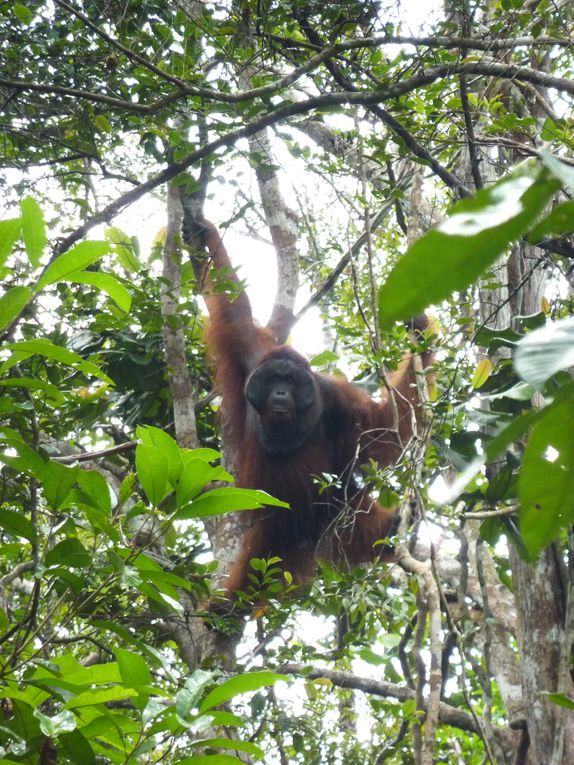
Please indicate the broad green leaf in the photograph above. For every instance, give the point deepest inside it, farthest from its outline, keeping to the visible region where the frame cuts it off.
(79, 257)
(559, 169)
(9, 435)
(453, 256)
(195, 475)
(9, 233)
(226, 500)
(95, 486)
(152, 469)
(34, 697)
(17, 525)
(511, 433)
(97, 674)
(546, 480)
(100, 696)
(561, 699)
(221, 718)
(153, 593)
(76, 583)
(205, 454)
(31, 383)
(64, 722)
(559, 221)
(127, 487)
(57, 481)
(482, 372)
(133, 668)
(43, 347)
(26, 459)
(227, 743)
(105, 283)
(166, 582)
(163, 441)
(124, 247)
(12, 304)
(248, 681)
(102, 123)
(78, 748)
(70, 552)
(23, 13)
(33, 230)
(545, 351)
(187, 698)
(324, 358)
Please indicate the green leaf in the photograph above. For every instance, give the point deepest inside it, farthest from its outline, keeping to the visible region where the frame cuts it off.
(31, 696)
(152, 469)
(52, 726)
(249, 681)
(9, 233)
(105, 283)
(77, 748)
(102, 123)
(188, 697)
(205, 454)
(511, 433)
(95, 486)
(561, 699)
(26, 459)
(481, 373)
(324, 359)
(33, 230)
(100, 696)
(559, 221)
(79, 257)
(545, 351)
(70, 552)
(453, 256)
(124, 248)
(23, 13)
(12, 303)
(226, 500)
(226, 743)
(43, 347)
(163, 441)
(133, 668)
(195, 475)
(17, 525)
(51, 391)
(165, 600)
(559, 169)
(546, 480)
(57, 481)
(164, 581)
(97, 674)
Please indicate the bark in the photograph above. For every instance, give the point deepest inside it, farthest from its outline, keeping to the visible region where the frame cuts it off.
(540, 606)
(447, 714)
(282, 223)
(181, 386)
(281, 220)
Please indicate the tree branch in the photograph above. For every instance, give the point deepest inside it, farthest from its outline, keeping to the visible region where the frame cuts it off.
(448, 715)
(291, 110)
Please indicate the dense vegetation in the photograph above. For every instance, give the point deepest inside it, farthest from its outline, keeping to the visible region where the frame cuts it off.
(383, 170)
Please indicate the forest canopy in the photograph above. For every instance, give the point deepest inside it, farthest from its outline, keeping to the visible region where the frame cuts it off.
(364, 162)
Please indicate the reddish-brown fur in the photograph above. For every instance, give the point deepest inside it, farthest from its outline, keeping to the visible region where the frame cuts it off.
(341, 523)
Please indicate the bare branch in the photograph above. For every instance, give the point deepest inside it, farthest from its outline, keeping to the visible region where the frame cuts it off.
(448, 715)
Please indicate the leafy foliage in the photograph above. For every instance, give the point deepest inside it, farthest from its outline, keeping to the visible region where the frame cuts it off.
(103, 553)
